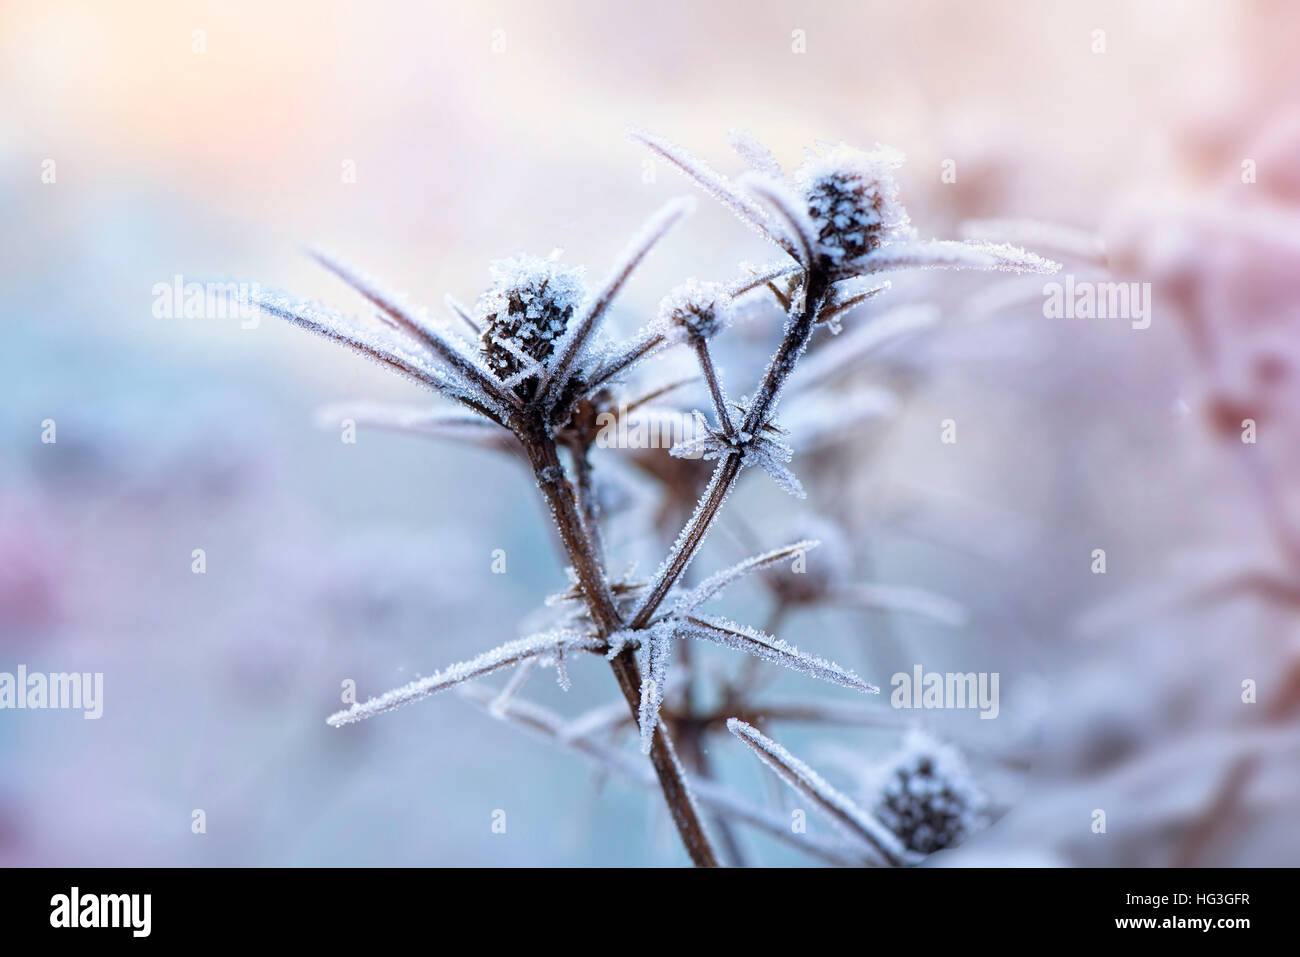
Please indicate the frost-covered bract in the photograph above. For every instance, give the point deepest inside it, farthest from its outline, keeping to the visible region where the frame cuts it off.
(772, 650)
(838, 807)
(512, 652)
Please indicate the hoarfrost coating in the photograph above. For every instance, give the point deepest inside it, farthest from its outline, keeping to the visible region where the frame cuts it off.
(542, 368)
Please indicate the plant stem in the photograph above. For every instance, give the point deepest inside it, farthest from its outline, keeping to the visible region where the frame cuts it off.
(690, 735)
(545, 460)
(583, 553)
(798, 332)
(589, 508)
(715, 387)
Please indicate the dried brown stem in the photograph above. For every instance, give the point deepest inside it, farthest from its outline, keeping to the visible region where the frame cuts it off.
(586, 492)
(798, 331)
(560, 497)
(720, 801)
(715, 387)
(630, 357)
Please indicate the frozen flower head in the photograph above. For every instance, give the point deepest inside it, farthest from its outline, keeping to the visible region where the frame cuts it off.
(852, 199)
(696, 310)
(839, 218)
(526, 311)
(925, 795)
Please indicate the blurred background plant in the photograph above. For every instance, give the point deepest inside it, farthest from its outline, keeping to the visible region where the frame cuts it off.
(1074, 435)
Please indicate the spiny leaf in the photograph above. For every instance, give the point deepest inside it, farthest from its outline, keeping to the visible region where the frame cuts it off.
(576, 338)
(719, 187)
(773, 650)
(377, 346)
(716, 582)
(758, 156)
(437, 423)
(512, 652)
(837, 806)
(456, 355)
(791, 209)
(658, 656)
(952, 254)
(547, 724)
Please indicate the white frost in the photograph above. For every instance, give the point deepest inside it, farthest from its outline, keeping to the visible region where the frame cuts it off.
(838, 807)
(512, 652)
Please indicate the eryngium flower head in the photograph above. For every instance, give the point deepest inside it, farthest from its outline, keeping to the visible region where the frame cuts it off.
(696, 309)
(526, 311)
(925, 795)
(852, 199)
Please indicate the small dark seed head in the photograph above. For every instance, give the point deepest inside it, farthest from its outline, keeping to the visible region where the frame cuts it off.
(852, 200)
(700, 310)
(526, 312)
(926, 797)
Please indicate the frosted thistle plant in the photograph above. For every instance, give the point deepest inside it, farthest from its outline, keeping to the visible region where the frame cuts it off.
(534, 376)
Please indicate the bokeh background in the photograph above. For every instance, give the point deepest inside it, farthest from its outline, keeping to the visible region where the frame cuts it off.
(477, 130)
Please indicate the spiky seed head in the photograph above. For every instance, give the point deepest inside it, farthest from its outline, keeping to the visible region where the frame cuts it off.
(526, 311)
(852, 199)
(925, 795)
(699, 310)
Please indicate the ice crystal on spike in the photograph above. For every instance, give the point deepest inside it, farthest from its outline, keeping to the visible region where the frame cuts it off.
(574, 362)
(381, 345)
(838, 807)
(655, 677)
(550, 645)
(718, 186)
(772, 650)
(773, 457)
(951, 254)
(758, 156)
(718, 581)
(526, 311)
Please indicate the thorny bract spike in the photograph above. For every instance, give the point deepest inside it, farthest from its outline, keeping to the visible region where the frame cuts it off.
(838, 807)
